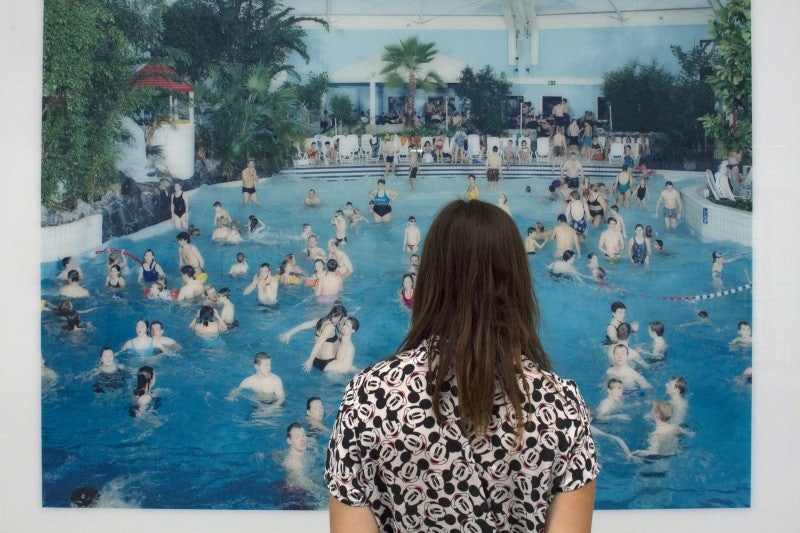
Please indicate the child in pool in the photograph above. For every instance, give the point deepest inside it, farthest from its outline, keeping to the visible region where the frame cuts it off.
(307, 232)
(407, 290)
(676, 388)
(718, 265)
(235, 234)
(630, 378)
(663, 440)
(240, 267)
(612, 402)
(315, 414)
(143, 399)
(226, 312)
(656, 331)
(744, 339)
(355, 218)
(68, 264)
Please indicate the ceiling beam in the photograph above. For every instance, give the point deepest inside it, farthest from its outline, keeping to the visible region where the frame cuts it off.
(619, 13)
(508, 16)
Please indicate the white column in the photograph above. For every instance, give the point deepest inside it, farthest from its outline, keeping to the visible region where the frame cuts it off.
(372, 100)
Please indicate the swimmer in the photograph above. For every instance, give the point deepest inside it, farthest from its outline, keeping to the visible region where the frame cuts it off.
(411, 236)
(639, 247)
(389, 148)
(267, 386)
(72, 289)
(143, 398)
(179, 207)
(630, 378)
(673, 206)
(593, 263)
(382, 198)
(315, 414)
(597, 432)
(249, 181)
(702, 320)
(531, 244)
(326, 341)
(612, 402)
(207, 323)
(227, 310)
(192, 287)
(473, 192)
(340, 227)
(641, 193)
(620, 221)
(210, 293)
(149, 271)
(162, 342)
(319, 272)
(110, 375)
(623, 186)
(267, 286)
(407, 290)
(255, 226)
(114, 278)
(656, 331)
(744, 339)
(565, 267)
(68, 264)
(663, 440)
(413, 264)
(221, 231)
(618, 312)
(345, 267)
(221, 214)
(576, 212)
(69, 316)
(84, 497)
(494, 169)
(235, 234)
(346, 351)
(676, 389)
(142, 344)
(188, 254)
(313, 251)
(502, 203)
(312, 200)
(623, 337)
(289, 271)
(334, 316)
(307, 232)
(355, 218)
(240, 267)
(348, 209)
(295, 463)
(566, 237)
(611, 243)
(718, 266)
(117, 259)
(328, 286)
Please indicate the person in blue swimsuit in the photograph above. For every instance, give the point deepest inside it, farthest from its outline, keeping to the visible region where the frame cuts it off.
(149, 270)
(143, 344)
(639, 247)
(623, 186)
(382, 198)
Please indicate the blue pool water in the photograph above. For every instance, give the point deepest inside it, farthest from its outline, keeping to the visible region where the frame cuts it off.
(201, 451)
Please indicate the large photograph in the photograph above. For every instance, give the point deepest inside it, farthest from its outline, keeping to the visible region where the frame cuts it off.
(219, 271)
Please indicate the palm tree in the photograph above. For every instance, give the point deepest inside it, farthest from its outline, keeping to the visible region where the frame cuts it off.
(404, 63)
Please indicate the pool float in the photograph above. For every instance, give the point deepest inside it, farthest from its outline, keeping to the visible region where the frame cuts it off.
(202, 277)
(119, 251)
(310, 282)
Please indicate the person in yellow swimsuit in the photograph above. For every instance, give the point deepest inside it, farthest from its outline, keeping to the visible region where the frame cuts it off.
(473, 193)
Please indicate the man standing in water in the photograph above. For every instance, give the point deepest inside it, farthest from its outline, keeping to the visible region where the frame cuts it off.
(264, 383)
(249, 181)
(673, 207)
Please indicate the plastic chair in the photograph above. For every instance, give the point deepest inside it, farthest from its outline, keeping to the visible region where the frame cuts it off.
(542, 150)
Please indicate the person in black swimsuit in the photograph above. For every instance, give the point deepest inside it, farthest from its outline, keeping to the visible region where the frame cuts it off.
(179, 207)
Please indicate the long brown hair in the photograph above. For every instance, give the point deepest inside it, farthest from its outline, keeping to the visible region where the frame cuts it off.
(475, 305)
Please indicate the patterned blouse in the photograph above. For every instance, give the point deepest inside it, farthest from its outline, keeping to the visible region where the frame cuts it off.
(388, 452)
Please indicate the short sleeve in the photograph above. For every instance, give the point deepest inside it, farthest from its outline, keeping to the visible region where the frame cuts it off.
(581, 460)
(345, 473)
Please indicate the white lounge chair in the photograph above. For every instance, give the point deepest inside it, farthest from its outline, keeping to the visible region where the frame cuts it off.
(542, 150)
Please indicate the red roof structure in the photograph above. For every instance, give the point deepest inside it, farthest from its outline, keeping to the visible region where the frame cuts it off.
(161, 77)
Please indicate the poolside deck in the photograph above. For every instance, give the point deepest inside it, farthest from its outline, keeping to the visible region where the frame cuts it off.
(596, 170)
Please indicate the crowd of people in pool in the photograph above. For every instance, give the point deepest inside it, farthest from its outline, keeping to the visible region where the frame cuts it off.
(333, 349)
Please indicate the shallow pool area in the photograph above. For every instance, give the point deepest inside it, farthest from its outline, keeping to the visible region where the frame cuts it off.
(201, 451)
